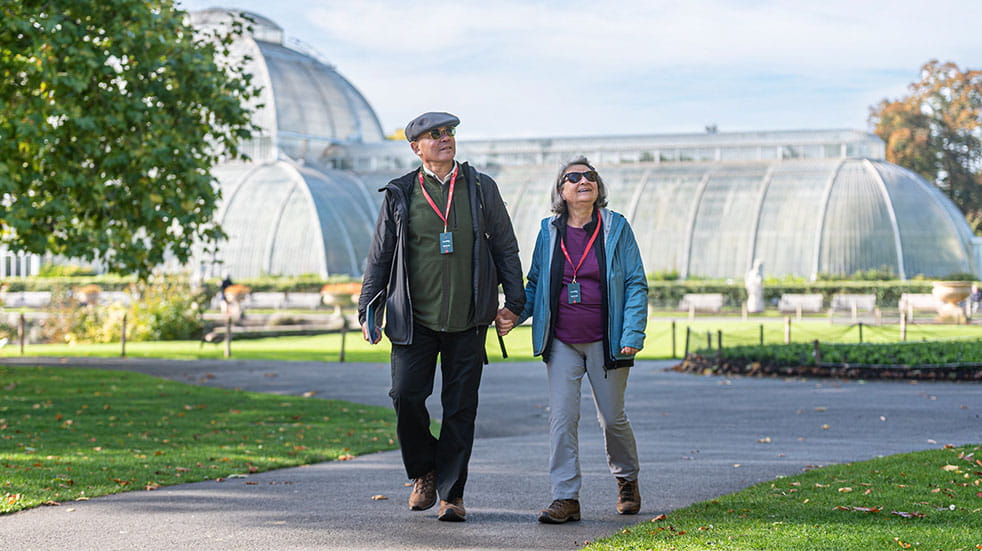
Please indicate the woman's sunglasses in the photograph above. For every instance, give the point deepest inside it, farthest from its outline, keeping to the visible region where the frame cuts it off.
(438, 133)
(574, 177)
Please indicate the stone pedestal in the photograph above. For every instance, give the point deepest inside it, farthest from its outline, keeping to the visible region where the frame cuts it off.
(951, 294)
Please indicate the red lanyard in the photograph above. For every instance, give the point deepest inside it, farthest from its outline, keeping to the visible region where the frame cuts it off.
(589, 245)
(443, 216)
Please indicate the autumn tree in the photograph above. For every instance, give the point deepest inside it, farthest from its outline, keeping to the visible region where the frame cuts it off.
(936, 131)
(111, 116)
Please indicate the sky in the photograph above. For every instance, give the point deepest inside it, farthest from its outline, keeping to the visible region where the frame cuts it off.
(524, 68)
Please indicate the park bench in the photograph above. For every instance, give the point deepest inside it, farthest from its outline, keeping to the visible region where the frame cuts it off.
(303, 301)
(26, 299)
(270, 300)
(801, 302)
(918, 302)
(854, 304)
(702, 302)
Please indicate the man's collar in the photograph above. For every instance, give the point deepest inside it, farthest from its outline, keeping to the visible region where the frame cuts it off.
(446, 180)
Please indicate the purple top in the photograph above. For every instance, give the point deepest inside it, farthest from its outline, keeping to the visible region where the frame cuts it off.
(582, 322)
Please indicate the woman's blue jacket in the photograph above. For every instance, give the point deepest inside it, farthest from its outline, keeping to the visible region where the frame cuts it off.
(626, 289)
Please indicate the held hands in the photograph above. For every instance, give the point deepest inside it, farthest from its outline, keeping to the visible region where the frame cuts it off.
(505, 321)
(364, 333)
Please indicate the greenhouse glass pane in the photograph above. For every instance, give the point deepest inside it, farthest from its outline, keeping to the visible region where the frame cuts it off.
(857, 234)
(724, 227)
(789, 217)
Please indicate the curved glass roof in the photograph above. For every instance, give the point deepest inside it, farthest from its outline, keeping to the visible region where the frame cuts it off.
(285, 218)
(306, 105)
(807, 217)
(803, 218)
(315, 106)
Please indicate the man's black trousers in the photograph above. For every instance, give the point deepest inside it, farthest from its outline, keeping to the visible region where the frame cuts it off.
(413, 369)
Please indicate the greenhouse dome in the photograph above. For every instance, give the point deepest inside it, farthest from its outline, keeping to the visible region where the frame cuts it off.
(305, 105)
(282, 212)
(799, 217)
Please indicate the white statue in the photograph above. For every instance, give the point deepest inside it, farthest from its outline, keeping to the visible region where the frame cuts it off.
(755, 287)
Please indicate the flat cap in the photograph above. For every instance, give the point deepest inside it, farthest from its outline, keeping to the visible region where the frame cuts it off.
(429, 121)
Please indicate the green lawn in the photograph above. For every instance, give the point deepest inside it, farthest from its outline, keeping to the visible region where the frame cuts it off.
(69, 434)
(658, 345)
(925, 500)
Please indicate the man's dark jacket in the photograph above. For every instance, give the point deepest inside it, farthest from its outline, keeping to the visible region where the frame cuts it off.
(386, 280)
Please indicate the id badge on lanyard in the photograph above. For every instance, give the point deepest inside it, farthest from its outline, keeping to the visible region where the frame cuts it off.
(446, 242)
(573, 287)
(446, 237)
(573, 292)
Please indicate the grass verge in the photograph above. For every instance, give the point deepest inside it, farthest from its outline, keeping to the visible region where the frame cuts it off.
(925, 500)
(658, 344)
(69, 434)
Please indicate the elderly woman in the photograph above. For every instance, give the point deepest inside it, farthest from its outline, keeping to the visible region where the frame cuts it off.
(587, 296)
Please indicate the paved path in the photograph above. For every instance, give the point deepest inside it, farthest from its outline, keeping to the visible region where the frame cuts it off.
(699, 437)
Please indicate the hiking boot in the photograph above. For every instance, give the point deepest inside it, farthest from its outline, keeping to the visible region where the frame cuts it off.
(452, 511)
(560, 511)
(424, 492)
(628, 496)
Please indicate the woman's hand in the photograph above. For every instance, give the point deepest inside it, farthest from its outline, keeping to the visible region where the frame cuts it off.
(630, 350)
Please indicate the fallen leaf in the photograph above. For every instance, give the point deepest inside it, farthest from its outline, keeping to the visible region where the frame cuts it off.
(949, 468)
(659, 518)
(310, 393)
(825, 427)
(379, 497)
(845, 490)
(764, 440)
(908, 515)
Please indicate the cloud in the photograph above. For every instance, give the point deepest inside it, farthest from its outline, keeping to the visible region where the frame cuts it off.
(515, 68)
(833, 35)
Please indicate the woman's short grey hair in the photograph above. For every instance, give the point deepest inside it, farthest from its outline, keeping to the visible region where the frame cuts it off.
(559, 204)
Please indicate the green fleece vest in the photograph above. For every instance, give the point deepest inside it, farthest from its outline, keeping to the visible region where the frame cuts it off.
(441, 284)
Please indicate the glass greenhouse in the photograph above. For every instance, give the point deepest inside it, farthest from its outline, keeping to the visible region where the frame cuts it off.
(802, 202)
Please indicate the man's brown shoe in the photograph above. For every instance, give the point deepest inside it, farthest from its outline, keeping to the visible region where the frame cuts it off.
(453, 510)
(628, 496)
(560, 511)
(424, 492)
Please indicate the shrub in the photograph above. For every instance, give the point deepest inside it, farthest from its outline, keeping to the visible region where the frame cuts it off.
(164, 308)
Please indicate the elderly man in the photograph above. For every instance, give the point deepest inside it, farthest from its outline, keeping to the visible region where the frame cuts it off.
(443, 241)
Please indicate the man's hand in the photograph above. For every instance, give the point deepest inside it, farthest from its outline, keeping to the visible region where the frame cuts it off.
(505, 321)
(630, 350)
(364, 333)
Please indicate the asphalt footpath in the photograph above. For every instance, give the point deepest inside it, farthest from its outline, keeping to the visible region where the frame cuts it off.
(699, 438)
